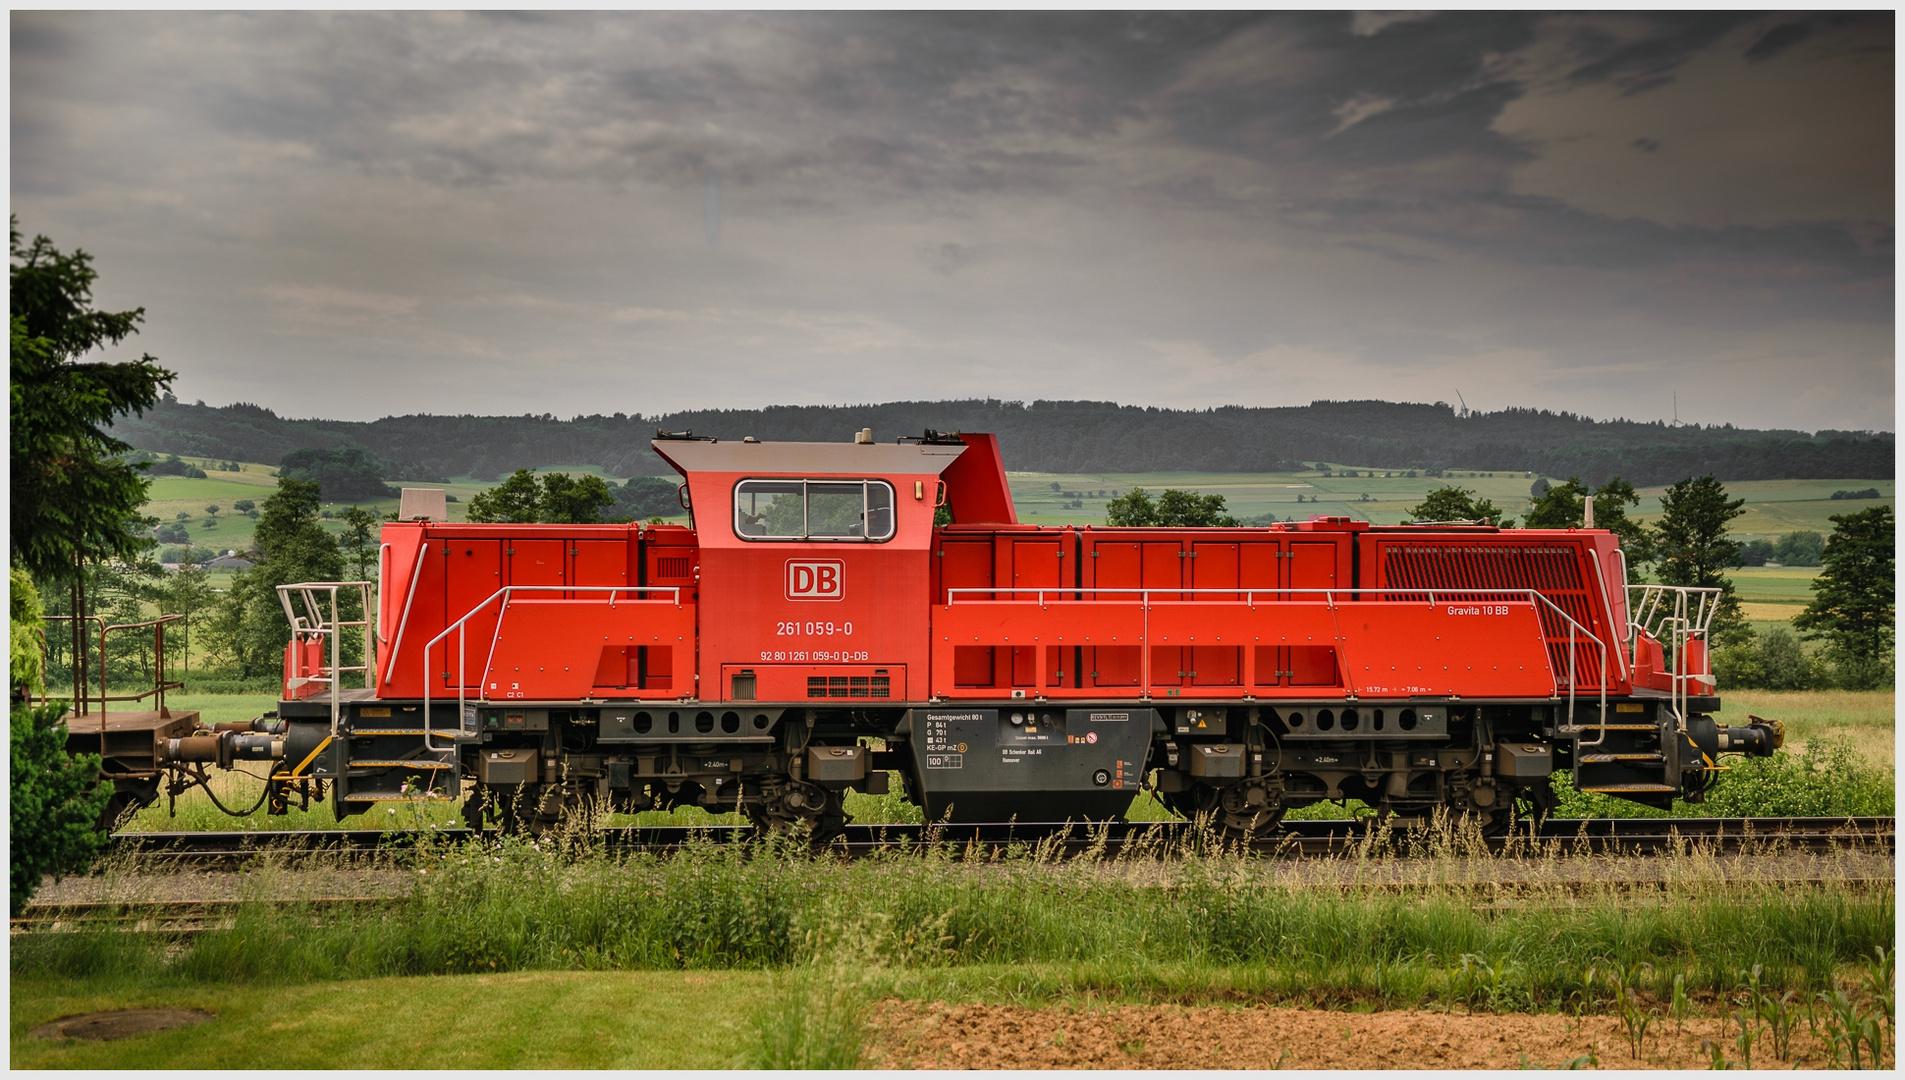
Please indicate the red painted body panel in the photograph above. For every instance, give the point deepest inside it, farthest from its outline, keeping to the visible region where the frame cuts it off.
(972, 611)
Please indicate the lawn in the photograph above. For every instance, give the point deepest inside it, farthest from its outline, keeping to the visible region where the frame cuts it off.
(515, 1020)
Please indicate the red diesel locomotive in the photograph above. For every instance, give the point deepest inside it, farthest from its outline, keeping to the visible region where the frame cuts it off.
(815, 632)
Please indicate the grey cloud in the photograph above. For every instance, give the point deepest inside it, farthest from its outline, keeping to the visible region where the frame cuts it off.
(1012, 196)
(1649, 62)
(1778, 40)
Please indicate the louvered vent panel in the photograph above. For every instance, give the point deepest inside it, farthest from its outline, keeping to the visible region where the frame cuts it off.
(1554, 571)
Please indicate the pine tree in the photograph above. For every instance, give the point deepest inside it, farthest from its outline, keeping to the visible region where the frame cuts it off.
(1854, 607)
(1692, 549)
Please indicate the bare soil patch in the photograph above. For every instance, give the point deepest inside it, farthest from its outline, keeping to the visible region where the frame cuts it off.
(940, 1036)
(119, 1024)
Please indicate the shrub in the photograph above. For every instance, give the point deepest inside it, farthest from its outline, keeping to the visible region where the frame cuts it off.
(56, 799)
(1829, 780)
(1773, 661)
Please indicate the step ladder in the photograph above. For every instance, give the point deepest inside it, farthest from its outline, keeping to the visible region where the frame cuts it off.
(384, 759)
(1633, 760)
(396, 766)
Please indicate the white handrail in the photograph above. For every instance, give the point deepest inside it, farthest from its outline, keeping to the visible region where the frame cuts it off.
(460, 628)
(316, 623)
(1650, 616)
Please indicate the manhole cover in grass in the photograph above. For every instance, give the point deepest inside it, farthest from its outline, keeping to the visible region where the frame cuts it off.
(119, 1024)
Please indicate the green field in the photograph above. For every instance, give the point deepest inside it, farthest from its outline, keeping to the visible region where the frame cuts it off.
(231, 530)
(1773, 507)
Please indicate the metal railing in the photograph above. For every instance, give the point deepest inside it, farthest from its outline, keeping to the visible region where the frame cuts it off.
(1673, 615)
(321, 620)
(461, 628)
(82, 699)
(1577, 635)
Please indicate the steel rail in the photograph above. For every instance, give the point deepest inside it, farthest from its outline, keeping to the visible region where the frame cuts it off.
(1297, 838)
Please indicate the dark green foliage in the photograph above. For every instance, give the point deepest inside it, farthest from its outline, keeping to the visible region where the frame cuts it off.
(172, 533)
(1173, 509)
(1862, 493)
(1770, 661)
(1564, 506)
(54, 800)
(344, 474)
(517, 500)
(360, 542)
(555, 499)
(1829, 779)
(172, 466)
(1062, 437)
(648, 496)
(1691, 548)
(248, 628)
(1801, 548)
(73, 492)
(1854, 603)
(574, 500)
(26, 621)
(1756, 552)
(1453, 503)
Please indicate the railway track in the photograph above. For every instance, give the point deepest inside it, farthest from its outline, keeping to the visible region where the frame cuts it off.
(1296, 839)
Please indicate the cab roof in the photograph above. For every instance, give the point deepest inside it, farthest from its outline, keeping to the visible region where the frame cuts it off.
(807, 458)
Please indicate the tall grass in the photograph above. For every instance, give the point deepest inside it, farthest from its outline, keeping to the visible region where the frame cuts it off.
(1219, 925)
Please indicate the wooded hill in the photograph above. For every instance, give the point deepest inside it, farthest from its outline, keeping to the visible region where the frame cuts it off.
(1056, 436)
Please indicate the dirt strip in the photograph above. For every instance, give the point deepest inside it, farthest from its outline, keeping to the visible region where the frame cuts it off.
(939, 1036)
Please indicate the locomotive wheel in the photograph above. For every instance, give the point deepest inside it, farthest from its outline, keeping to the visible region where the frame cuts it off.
(1227, 811)
(822, 823)
(128, 797)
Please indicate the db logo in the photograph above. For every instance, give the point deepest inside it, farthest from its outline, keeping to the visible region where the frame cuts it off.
(816, 579)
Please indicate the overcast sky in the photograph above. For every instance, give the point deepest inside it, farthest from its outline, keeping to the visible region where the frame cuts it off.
(355, 215)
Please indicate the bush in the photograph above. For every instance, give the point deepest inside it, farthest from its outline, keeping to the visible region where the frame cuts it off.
(1863, 673)
(1775, 661)
(56, 800)
(1829, 780)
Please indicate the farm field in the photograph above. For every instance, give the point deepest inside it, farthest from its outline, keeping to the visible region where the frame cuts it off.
(1773, 507)
(231, 530)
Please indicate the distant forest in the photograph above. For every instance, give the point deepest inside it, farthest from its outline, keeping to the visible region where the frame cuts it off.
(1054, 436)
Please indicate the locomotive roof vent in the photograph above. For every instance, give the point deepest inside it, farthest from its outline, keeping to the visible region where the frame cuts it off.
(423, 504)
(864, 437)
(751, 439)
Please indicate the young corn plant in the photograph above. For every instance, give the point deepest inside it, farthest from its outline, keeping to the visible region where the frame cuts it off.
(1682, 1006)
(1636, 1018)
(1716, 1058)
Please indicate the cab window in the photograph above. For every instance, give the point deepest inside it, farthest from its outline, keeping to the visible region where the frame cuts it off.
(848, 510)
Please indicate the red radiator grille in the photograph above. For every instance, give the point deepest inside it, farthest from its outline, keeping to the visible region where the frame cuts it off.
(1553, 570)
(673, 567)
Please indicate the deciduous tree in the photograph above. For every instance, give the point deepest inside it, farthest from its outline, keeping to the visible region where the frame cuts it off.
(1451, 503)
